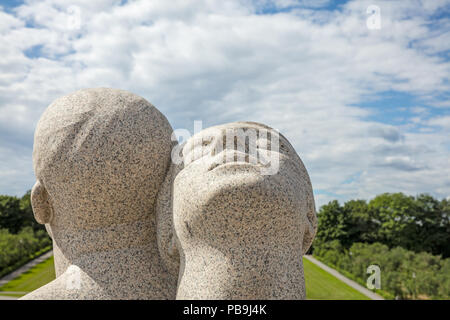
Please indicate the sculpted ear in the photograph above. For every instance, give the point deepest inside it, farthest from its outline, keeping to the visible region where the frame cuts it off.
(43, 211)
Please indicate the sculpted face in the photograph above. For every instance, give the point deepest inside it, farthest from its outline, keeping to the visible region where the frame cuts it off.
(217, 176)
(226, 204)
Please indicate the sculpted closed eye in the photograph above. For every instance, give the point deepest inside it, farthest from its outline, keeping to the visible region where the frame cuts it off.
(266, 144)
(206, 141)
(283, 147)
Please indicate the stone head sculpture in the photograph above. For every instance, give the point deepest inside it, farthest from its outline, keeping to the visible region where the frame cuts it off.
(100, 157)
(241, 228)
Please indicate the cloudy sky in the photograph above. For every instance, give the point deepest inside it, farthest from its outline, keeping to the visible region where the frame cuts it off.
(365, 101)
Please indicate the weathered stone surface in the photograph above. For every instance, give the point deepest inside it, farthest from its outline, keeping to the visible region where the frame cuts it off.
(241, 234)
(100, 157)
(127, 223)
(167, 242)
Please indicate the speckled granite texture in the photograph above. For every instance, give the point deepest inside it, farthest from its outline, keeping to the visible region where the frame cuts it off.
(241, 234)
(167, 242)
(100, 157)
(127, 223)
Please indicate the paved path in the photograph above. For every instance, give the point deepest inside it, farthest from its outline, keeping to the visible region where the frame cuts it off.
(25, 268)
(346, 280)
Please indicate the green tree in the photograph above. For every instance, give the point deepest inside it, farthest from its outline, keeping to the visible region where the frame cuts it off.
(432, 227)
(333, 224)
(361, 225)
(444, 247)
(396, 215)
(444, 279)
(11, 217)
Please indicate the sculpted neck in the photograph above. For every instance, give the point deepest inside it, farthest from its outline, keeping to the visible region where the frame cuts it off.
(250, 250)
(122, 260)
(242, 273)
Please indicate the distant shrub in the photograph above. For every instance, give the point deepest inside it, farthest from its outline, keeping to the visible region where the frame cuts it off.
(418, 224)
(17, 249)
(404, 274)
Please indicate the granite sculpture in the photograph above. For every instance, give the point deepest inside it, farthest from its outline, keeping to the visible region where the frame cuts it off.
(232, 221)
(100, 157)
(241, 232)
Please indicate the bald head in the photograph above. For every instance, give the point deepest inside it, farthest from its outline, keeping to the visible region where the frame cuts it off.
(99, 156)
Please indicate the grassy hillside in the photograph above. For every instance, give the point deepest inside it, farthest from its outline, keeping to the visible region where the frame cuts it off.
(34, 278)
(320, 285)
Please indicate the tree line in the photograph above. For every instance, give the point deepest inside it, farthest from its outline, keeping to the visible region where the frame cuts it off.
(420, 223)
(21, 237)
(407, 237)
(16, 213)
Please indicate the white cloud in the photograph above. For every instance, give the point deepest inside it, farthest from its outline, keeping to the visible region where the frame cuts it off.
(303, 72)
(419, 110)
(443, 122)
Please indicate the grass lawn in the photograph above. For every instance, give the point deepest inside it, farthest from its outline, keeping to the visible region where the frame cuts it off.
(34, 278)
(320, 285)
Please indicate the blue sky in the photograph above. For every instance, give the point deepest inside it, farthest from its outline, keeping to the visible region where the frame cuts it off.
(9, 4)
(367, 110)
